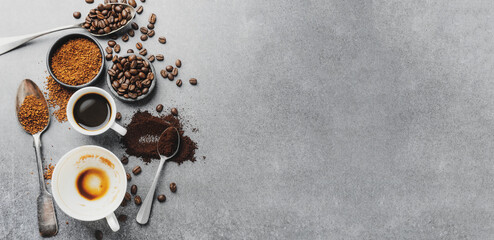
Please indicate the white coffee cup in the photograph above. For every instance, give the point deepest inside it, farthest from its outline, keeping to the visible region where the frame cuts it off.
(111, 122)
(69, 198)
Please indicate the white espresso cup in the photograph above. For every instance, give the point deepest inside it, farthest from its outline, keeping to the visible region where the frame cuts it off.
(71, 184)
(109, 124)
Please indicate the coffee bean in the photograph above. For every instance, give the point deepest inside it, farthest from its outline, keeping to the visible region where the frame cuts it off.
(132, 3)
(106, 18)
(131, 32)
(179, 82)
(161, 198)
(178, 63)
(175, 72)
(112, 43)
(89, 1)
(143, 52)
(109, 56)
(164, 74)
(77, 15)
(129, 177)
(151, 33)
(127, 196)
(144, 37)
(151, 58)
(160, 57)
(143, 30)
(151, 26)
(137, 200)
(109, 50)
(124, 160)
(139, 46)
(139, 10)
(173, 187)
(122, 218)
(162, 40)
(136, 170)
(169, 68)
(159, 108)
(152, 18)
(143, 0)
(117, 48)
(125, 37)
(123, 203)
(134, 25)
(193, 81)
(97, 234)
(119, 115)
(133, 189)
(174, 111)
(130, 51)
(170, 76)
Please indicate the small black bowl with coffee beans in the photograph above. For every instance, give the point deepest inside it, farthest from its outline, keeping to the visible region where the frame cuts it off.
(131, 77)
(108, 17)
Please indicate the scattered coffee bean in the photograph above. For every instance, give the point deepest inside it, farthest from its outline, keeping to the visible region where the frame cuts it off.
(109, 56)
(106, 18)
(144, 37)
(112, 43)
(160, 57)
(162, 40)
(143, 52)
(133, 189)
(134, 25)
(129, 177)
(179, 82)
(97, 234)
(151, 33)
(139, 10)
(151, 58)
(125, 37)
(161, 198)
(143, 0)
(151, 26)
(123, 203)
(170, 76)
(169, 68)
(137, 200)
(175, 72)
(117, 48)
(131, 32)
(152, 18)
(131, 76)
(173, 187)
(130, 51)
(89, 1)
(77, 15)
(124, 160)
(132, 3)
(143, 30)
(122, 218)
(175, 113)
(178, 63)
(164, 74)
(109, 50)
(118, 116)
(127, 196)
(193, 81)
(159, 108)
(136, 170)
(139, 46)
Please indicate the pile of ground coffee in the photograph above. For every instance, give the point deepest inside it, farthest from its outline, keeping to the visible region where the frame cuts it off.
(57, 97)
(143, 134)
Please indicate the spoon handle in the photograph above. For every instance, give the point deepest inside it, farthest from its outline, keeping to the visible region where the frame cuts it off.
(47, 219)
(145, 210)
(9, 43)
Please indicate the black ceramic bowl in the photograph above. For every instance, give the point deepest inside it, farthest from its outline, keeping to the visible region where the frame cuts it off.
(151, 88)
(63, 40)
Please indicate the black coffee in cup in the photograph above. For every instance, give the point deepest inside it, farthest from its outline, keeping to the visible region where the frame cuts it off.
(92, 111)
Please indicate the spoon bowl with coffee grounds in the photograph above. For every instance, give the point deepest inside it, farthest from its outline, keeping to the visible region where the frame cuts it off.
(34, 117)
(168, 146)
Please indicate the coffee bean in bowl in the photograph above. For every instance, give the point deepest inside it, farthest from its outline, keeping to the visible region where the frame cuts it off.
(131, 77)
(108, 18)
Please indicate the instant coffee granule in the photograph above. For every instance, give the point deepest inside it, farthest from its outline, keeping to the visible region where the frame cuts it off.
(76, 62)
(143, 133)
(33, 114)
(57, 97)
(49, 171)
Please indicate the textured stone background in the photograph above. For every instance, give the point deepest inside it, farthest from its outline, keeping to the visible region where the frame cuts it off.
(319, 119)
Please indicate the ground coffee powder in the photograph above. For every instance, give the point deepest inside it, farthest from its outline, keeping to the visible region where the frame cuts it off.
(167, 145)
(143, 134)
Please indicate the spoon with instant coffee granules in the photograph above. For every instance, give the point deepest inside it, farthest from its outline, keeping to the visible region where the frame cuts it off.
(102, 21)
(32, 112)
(168, 146)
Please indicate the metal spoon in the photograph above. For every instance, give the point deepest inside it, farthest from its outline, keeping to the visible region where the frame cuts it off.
(47, 220)
(9, 43)
(143, 214)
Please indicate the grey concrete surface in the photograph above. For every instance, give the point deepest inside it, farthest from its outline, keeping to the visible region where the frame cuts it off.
(321, 119)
